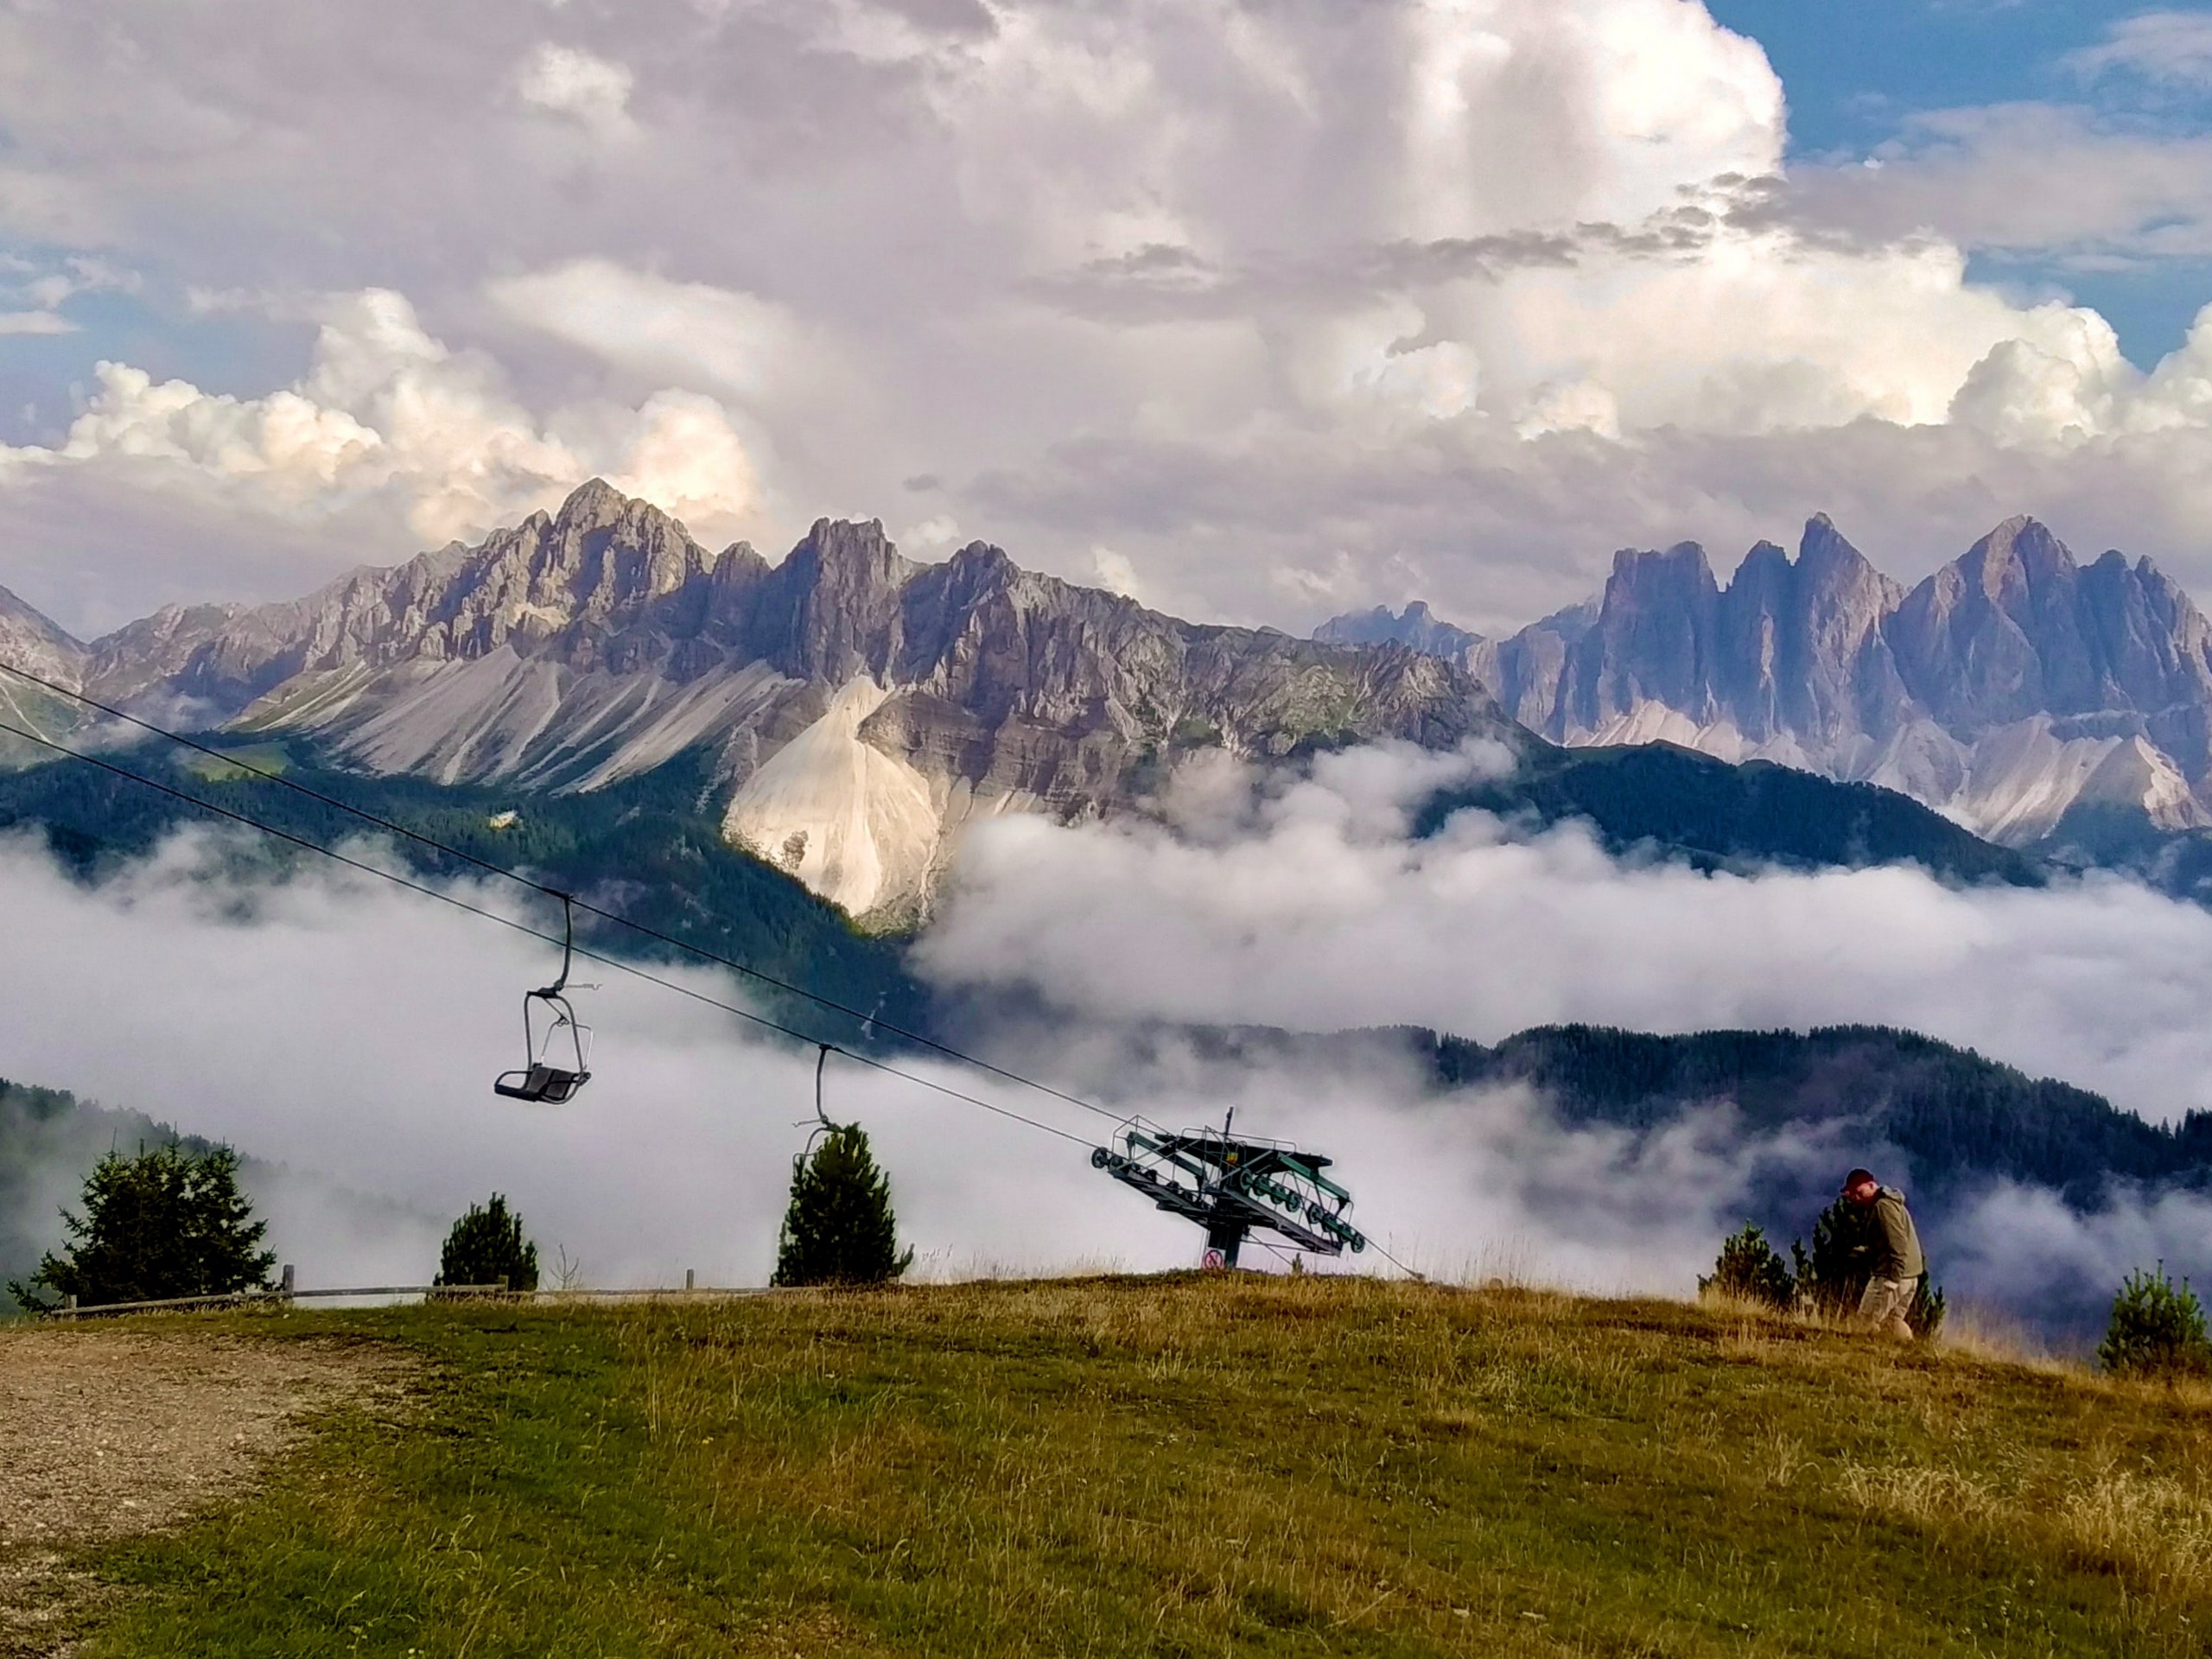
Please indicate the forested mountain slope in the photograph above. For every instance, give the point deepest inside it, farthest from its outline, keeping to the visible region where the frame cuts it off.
(646, 847)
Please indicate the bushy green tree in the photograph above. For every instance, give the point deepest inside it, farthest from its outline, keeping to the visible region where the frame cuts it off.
(2157, 1327)
(487, 1247)
(1750, 1269)
(839, 1228)
(161, 1223)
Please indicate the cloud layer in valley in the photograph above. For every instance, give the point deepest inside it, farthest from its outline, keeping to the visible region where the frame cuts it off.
(1236, 307)
(1302, 903)
(333, 1025)
(348, 1032)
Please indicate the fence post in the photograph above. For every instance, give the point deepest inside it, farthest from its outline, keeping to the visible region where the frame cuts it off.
(690, 1278)
(289, 1281)
(69, 1304)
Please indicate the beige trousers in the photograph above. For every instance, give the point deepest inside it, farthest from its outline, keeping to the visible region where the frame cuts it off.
(1883, 1305)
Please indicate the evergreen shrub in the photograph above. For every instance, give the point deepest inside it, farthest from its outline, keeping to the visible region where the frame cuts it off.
(487, 1247)
(1750, 1269)
(161, 1223)
(839, 1228)
(2157, 1329)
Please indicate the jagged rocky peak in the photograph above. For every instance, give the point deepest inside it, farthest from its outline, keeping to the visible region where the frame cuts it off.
(2018, 556)
(2009, 684)
(595, 562)
(1839, 579)
(1654, 639)
(31, 640)
(2015, 628)
(1416, 626)
(831, 611)
(1649, 574)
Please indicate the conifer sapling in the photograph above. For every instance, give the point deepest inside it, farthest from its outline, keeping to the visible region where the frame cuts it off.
(839, 1228)
(487, 1247)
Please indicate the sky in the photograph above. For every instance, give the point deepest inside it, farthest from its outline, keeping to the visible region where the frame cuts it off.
(1258, 311)
(1858, 75)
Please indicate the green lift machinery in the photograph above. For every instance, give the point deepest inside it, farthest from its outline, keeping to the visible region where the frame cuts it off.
(1232, 1186)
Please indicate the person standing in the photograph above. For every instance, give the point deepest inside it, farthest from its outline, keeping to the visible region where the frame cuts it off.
(1888, 1245)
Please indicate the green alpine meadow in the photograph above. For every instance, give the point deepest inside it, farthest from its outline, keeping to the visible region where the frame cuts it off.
(1190, 1465)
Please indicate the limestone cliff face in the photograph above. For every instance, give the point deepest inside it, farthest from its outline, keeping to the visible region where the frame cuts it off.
(862, 706)
(2010, 686)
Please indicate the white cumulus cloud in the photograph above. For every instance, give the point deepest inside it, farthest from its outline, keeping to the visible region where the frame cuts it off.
(568, 80)
(390, 428)
(1290, 306)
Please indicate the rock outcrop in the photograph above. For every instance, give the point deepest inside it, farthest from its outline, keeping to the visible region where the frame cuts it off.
(28, 640)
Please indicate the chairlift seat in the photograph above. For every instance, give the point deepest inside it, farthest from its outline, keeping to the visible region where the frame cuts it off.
(551, 1085)
(539, 1080)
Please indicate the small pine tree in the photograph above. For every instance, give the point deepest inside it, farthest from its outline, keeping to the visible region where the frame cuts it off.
(485, 1247)
(163, 1223)
(1832, 1277)
(1749, 1270)
(839, 1228)
(2158, 1328)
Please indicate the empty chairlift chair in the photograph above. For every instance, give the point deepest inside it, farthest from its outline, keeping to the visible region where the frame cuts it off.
(556, 1047)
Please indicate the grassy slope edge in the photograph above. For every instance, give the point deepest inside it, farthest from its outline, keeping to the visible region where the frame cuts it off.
(1187, 1466)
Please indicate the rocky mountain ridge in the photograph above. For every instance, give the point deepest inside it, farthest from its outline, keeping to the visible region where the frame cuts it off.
(2010, 686)
(861, 706)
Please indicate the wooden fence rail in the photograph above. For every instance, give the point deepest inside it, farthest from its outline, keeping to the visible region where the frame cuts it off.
(71, 1310)
(287, 1291)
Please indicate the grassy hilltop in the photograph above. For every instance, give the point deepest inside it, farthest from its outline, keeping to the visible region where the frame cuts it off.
(1190, 1466)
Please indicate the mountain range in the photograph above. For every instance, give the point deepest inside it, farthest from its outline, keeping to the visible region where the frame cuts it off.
(860, 707)
(2011, 687)
(841, 714)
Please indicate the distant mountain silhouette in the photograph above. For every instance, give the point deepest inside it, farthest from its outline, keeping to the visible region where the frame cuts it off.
(2012, 687)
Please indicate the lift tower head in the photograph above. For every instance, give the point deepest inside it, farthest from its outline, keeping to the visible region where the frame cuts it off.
(1232, 1185)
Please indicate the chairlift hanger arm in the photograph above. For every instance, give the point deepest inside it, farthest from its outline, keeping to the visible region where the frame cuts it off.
(568, 948)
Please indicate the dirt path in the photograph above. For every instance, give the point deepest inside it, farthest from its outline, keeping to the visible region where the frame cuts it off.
(106, 1431)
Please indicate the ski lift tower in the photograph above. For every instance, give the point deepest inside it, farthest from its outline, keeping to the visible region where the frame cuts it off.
(1233, 1186)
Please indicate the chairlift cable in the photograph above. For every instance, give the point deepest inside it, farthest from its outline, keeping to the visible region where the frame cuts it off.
(570, 903)
(492, 868)
(616, 963)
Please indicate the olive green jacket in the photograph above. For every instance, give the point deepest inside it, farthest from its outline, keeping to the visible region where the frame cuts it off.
(1885, 1239)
